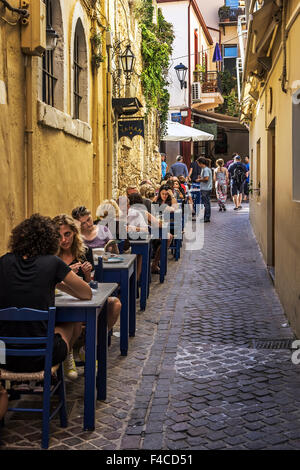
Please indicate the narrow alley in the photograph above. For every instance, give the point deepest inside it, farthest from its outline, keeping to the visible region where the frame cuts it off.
(198, 374)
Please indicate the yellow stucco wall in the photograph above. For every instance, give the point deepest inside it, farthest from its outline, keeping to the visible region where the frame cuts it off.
(287, 212)
(63, 168)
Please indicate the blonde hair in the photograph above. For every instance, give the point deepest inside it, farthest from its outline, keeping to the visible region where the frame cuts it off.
(150, 193)
(78, 249)
(220, 162)
(143, 189)
(109, 207)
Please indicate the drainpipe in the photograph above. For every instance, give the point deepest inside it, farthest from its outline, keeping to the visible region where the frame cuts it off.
(284, 37)
(28, 138)
(109, 135)
(95, 132)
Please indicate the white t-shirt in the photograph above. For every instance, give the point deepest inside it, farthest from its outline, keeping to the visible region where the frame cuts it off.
(135, 218)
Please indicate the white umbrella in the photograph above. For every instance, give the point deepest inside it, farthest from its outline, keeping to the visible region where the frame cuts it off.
(178, 132)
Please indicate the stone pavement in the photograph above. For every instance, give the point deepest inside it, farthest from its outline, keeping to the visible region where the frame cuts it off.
(192, 378)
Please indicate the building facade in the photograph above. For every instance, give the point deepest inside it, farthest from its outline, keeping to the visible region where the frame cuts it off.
(193, 48)
(271, 107)
(59, 74)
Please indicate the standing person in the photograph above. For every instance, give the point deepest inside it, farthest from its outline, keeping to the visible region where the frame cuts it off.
(164, 166)
(227, 164)
(221, 179)
(194, 174)
(246, 185)
(206, 187)
(237, 172)
(179, 168)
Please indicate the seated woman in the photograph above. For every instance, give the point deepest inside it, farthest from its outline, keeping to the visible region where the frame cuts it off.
(80, 259)
(94, 236)
(166, 197)
(108, 213)
(29, 274)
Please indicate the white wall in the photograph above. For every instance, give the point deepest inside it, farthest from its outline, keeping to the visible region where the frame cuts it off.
(209, 10)
(177, 14)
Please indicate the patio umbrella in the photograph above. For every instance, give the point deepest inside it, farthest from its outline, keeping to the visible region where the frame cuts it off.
(217, 57)
(178, 132)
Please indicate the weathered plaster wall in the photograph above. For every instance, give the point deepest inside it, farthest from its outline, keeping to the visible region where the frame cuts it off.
(63, 172)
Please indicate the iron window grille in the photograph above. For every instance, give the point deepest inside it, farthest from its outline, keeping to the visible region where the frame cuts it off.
(49, 79)
(77, 70)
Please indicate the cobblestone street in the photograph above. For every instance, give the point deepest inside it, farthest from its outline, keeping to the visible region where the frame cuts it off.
(193, 378)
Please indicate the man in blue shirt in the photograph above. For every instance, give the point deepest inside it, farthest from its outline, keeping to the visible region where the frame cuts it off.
(246, 184)
(179, 168)
(238, 174)
(206, 186)
(164, 165)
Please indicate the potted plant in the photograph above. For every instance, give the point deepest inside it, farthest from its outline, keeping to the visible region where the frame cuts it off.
(224, 13)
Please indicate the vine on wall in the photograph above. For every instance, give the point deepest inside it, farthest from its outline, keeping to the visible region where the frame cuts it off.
(157, 39)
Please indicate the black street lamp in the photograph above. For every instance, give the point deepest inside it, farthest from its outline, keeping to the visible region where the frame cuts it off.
(127, 60)
(181, 74)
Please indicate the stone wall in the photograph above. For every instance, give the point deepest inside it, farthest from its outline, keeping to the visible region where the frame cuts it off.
(136, 159)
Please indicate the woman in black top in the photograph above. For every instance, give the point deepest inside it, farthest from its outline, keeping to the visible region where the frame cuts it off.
(29, 274)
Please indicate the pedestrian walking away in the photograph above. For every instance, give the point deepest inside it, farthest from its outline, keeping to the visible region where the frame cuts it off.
(206, 187)
(246, 185)
(237, 172)
(194, 174)
(221, 182)
(179, 168)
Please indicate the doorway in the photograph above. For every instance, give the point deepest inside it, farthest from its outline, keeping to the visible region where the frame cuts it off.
(271, 205)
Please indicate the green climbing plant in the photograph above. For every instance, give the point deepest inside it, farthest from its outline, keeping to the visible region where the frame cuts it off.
(229, 93)
(157, 39)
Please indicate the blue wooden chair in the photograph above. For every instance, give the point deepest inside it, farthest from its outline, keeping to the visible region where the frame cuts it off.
(45, 349)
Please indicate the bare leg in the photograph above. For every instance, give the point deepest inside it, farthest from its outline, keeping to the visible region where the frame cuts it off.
(139, 266)
(69, 332)
(3, 402)
(113, 311)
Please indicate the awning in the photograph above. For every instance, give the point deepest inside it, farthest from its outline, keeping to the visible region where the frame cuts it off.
(178, 132)
(264, 25)
(126, 106)
(222, 120)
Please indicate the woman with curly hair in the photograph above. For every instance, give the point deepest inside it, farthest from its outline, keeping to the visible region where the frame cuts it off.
(29, 274)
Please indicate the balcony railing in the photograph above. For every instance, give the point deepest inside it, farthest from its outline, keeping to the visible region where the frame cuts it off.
(230, 14)
(210, 81)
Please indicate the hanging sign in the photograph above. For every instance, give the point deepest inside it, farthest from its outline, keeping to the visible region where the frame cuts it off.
(130, 128)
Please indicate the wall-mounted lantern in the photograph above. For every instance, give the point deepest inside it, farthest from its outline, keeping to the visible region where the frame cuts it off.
(127, 60)
(51, 38)
(181, 74)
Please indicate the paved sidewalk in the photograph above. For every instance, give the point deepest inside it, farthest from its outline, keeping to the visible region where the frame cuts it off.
(192, 379)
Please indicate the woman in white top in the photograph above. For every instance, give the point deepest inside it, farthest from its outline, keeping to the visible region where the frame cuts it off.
(221, 182)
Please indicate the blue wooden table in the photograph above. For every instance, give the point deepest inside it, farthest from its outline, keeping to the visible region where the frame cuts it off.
(94, 314)
(124, 274)
(143, 247)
